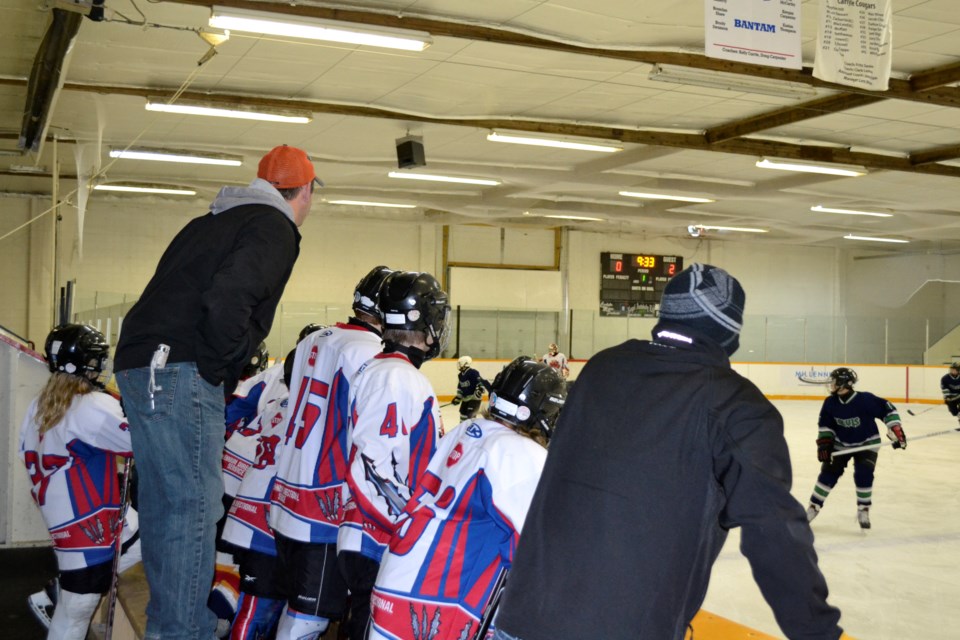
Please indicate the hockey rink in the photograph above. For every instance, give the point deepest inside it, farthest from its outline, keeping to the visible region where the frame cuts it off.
(899, 580)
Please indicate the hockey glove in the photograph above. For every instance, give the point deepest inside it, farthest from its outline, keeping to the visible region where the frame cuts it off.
(478, 394)
(896, 434)
(824, 448)
(457, 399)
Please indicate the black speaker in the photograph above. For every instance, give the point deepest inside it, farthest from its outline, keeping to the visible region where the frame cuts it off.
(410, 152)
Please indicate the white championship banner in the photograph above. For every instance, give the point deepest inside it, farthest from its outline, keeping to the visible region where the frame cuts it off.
(855, 43)
(756, 31)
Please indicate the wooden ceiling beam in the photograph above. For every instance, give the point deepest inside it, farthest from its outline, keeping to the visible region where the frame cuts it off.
(898, 89)
(936, 77)
(692, 141)
(937, 154)
(788, 115)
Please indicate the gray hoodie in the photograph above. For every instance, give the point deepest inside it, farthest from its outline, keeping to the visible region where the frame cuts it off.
(259, 192)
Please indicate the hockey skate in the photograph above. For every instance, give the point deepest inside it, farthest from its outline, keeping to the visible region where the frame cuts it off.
(43, 602)
(863, 517)
(812, 512)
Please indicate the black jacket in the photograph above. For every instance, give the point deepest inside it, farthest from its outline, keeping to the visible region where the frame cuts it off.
(215, 292)
(659, 451)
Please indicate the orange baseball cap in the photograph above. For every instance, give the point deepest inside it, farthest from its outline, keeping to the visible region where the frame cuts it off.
(287, 168)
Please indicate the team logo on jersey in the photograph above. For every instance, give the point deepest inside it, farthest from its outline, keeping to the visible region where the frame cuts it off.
(94, 531)
(455, 455)
(312, 360)
(474, 431)
(267, 451)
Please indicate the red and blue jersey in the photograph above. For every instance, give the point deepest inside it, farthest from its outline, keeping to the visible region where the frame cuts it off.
(394, 427)
(307, 497)
(252, 395)
(247, 521)
(458, 533)
(73, 469)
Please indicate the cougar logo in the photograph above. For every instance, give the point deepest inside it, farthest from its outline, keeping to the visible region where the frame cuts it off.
(329, 505)
(266, 451)
(420, 629)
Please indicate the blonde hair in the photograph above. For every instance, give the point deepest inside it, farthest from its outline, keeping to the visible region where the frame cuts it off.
(56, 398)
(533, 433)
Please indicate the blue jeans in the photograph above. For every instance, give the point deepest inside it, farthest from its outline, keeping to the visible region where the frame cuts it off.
(177, 446)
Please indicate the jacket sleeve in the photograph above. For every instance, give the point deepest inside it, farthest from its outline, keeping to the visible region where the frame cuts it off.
(257, 266)
(753, 466)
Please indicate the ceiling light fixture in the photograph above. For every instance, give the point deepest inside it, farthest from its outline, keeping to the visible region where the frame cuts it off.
(552, 142)
(364, 203)
(196, 109)
(809, 167)
(169, 155)
(317, 29)
(709, 227)
(868, 239)
(146, 188)
(663, 196)
(408, 175)
(851, 212)
(564, 216)
(730, 82)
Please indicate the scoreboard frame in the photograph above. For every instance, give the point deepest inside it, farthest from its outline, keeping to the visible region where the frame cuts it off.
(631, 284)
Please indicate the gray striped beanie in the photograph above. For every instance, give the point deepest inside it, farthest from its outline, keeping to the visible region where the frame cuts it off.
(708, 299)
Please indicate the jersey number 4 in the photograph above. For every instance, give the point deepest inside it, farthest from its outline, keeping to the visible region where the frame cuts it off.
(390, 425)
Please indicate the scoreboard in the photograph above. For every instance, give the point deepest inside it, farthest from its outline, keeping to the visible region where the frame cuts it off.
(631, 284)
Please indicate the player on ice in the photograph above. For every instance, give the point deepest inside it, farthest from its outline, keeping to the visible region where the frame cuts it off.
(71, 439)
(848, 419)
(556, 360)
(459, 531)
(470, 388)
(950, 386)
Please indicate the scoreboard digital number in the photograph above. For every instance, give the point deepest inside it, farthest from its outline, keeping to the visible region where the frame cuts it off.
(631, 284)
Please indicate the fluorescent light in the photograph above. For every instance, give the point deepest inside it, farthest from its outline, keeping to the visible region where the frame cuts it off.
(244, 114)
(188, 157)
(131, 188)
(563, 216)
(317, 29)
(364, 203)
(804, 167)
(853, 212)
(708, 227)
(730, 82)
(868, 239)
(552, 142)
(407, 175)
(663, 196)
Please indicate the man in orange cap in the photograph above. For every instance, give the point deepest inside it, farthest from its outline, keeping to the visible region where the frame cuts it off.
(208, 306)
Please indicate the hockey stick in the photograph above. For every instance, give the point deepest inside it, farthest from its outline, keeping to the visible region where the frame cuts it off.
(920, 413)
(447, 404)
(867, 447)
(492, 604)
(117, 551)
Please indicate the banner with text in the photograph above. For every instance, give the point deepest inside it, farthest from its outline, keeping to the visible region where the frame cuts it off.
(855, 43)
(755, 31)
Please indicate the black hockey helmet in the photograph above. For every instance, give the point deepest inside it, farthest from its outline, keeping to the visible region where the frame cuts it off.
(955, 366)
(288, 367)
(366, 295)
(528, 394)
(414, 301)
(308, 329)
(258, 362)
(843, 377)
(81, 350)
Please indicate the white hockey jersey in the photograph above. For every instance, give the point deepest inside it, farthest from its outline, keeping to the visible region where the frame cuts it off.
(252, 395)
(394, 426)
(247, 521)
(307, 501)
(73, 468)
(458, 533)
(241, 449)
(557, 362)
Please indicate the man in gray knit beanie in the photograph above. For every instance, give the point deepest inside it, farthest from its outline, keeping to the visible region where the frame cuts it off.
(660, 450)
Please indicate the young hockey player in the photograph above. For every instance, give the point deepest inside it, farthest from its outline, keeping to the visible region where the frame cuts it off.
(950, 386)
(556, 360)
(847, 419)
(459, 531)
(394, 426)
(71, 440)
(246, 529)
(306, 502)
(470, 388)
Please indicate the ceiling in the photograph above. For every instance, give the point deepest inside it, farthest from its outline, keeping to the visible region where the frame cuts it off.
(572, 68)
